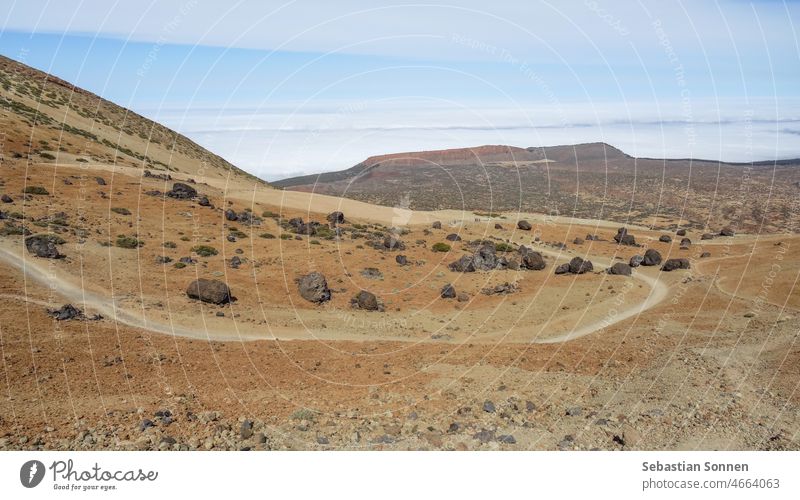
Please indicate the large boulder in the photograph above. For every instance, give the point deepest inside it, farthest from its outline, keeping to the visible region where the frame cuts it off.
(231, 215)
(42, 245)
(623, 238)
(485, 258)
(448, 292)
(651, 258)
(524, 225)
(635, 261)
(620, 268)
(562, 268)
(579, 266)
(66, 312)
(182, 191)
(366, 301)
(673, 264)
(530, 259)
(314, 288)
(464, 264)
(335, 218)
(211, 291)
(685, 242)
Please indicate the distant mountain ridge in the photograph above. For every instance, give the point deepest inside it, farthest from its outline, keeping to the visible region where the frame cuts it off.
(592, 180)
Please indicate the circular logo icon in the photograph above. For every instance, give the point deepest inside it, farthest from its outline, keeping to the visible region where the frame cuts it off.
(31, 473)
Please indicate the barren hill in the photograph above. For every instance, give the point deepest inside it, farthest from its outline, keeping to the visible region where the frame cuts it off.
(48, 119)
(593, 180)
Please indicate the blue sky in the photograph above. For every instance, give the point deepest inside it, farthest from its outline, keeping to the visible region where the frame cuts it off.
(290, 87)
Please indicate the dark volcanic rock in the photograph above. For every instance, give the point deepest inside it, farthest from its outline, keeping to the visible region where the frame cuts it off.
(231, 215)
(562, 269)
(531, 259)
(448, 292)
(42, 245)
(66, 312)
(203, 201)
(211, 291)
(707, 236)
(685, 242)
(391, 242)
(402, 260)
(620, 268)
(705, 255)
(498, 226)
(182, 191)
(673, 264)
(6, 199)
(236, 262)
(463, 265)
(365, 300)
(577, 241)
(314, 288)
(524, 225)
(579, 266)
(726, 231)
(436, 225)
(100, 181)
(681, 232)
(484, 259)
(624, 238)
(636, 261)
(335, 218)
(651, 258)
(453, 237)
(665, 238)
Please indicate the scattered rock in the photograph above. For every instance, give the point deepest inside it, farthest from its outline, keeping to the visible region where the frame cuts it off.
(235, 262)
(498, 226)
(335, 218)
(651, 258)
(507, 439)
(680, 232)
(462, 297)
(402, 260)
(620, 268)
(366, 301)
(635, 261)
(203, 201)
(246, 429)
(488, 407)
(665, 238)
(504, 289)
(524, 225)
(673, 264)
(623, 238)
(562, 269)
(579, 266)
(211, 291)
(163, 259)
(705, 255)
(145, 424)
(726, 231)
(182, 191)
(453, 237)
(530, 259)
(100, 181)
(574, 411)
(436, 225)
(231, 215)
(391, 242)
(66, 312)
(6, 199)
(686, 242)
(707, 236)
(577, 241)
(43, 245)
(448, 292)
(314, 288)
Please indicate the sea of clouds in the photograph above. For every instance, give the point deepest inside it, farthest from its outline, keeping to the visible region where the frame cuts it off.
(288, 139)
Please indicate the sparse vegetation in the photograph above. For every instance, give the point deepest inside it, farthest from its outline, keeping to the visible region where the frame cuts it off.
(179, 265)
(204, 250)
(286, 236)
(440, 247)
(503, 247)
(120, 211)
(35, 190)
(267, 236)
(47, 156)
(128, 241)
(170, 244)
